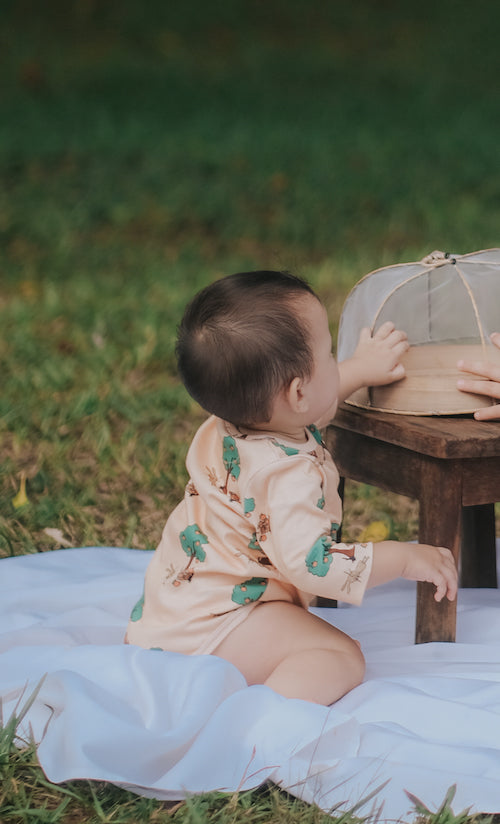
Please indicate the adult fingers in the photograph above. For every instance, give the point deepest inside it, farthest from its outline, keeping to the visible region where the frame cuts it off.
(488, 413)
(489, 388)
(481, 368)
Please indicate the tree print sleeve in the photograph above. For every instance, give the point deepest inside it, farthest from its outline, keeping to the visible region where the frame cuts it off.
(302, 520)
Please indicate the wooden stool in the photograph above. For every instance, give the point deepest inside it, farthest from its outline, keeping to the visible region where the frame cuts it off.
(451, 465)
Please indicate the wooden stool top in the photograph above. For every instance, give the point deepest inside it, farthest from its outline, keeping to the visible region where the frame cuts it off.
(439, 437)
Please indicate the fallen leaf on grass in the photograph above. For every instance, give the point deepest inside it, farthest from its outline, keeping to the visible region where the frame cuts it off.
(57, 535)
(21, 499)
(376, 531)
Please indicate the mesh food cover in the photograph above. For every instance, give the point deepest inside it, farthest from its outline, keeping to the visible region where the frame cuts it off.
(448, 305)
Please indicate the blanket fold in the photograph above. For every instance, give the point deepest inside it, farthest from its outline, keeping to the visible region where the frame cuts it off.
(168, 725)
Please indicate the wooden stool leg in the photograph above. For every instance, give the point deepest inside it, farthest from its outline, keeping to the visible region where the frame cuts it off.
(439, 524)
(478, 558)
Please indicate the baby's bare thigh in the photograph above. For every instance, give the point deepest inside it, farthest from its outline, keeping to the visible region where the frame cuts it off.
(275, 630)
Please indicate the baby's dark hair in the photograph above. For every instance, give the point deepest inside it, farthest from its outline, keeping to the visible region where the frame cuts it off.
(241, 341)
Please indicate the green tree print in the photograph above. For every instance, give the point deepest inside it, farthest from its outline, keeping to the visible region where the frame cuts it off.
(231, 460)
(319, 557)
(288, 450)
(248, 505)
(254, 544)
(191, 540)
(249, 591)
(136, 613)
(315, 433)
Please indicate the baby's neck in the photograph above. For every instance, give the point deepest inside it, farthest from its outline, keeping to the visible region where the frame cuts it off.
(296, 434)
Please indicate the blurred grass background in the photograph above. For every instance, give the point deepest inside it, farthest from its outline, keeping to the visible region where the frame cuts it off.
(146, 149)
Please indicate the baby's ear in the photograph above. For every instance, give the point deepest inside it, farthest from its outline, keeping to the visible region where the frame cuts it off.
(296, 395)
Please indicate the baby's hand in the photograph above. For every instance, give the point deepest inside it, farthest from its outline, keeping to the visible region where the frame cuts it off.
(435, 565)
(379, 355)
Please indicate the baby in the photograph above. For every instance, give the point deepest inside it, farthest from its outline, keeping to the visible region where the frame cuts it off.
(255, 537)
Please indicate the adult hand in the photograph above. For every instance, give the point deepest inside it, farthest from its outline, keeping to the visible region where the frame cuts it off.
(486, 382)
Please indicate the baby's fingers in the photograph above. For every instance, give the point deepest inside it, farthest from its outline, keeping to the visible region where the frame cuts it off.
(400, 345)
(447, 577)
(396, 342)
(388, 332)
(385, 330)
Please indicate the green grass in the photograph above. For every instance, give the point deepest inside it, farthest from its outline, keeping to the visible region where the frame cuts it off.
(146, 150)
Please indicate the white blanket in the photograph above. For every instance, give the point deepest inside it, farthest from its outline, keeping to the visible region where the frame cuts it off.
(166, 725)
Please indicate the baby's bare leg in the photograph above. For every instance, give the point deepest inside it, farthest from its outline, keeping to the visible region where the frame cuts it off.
(296, 653)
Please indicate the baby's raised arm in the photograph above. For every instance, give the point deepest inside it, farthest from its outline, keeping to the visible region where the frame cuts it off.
(415, 562)
(376, 360)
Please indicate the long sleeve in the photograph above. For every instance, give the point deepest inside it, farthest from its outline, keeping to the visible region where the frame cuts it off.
(296, 513)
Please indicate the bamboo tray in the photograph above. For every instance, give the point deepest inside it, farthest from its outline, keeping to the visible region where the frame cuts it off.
(430, 385)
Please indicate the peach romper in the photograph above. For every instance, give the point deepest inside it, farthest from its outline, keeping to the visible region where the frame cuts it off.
(258, 522)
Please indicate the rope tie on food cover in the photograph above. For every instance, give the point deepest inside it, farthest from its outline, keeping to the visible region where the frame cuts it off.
(436, 258)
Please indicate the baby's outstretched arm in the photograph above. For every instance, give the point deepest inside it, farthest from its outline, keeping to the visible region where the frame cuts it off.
(376, 360)
(486, 382)
(416, 562)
